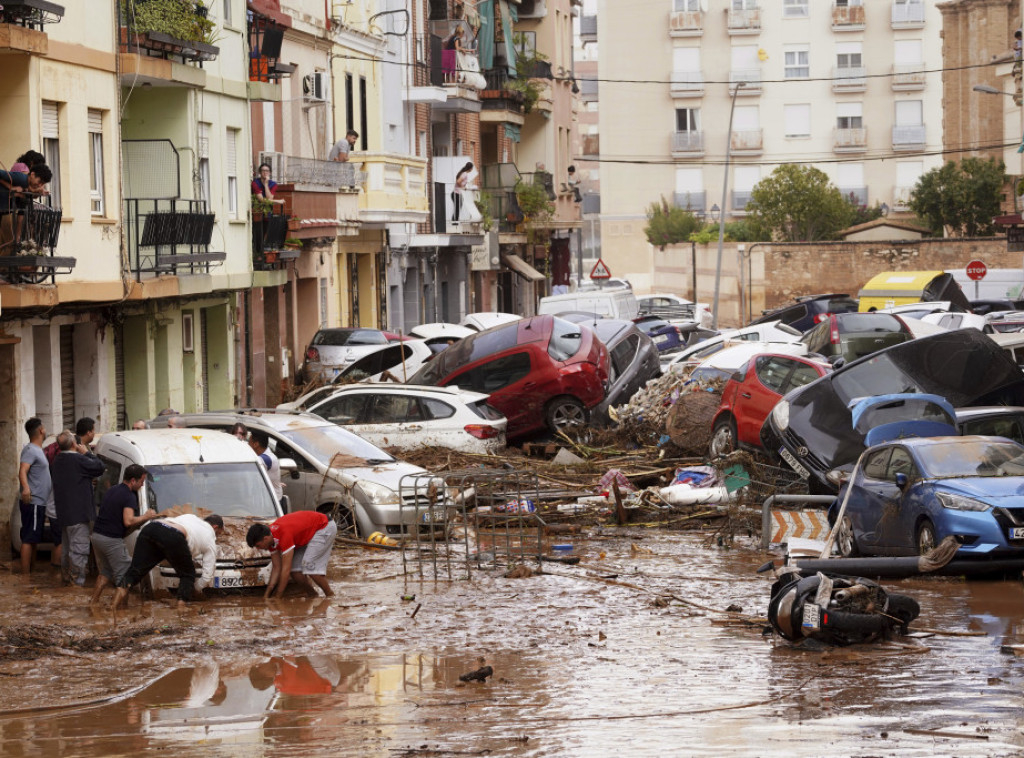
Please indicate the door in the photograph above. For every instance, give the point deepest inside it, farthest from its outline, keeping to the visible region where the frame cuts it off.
(512, 389)
(758, 394)
(393, 419)
(872, 497)
(897, 528)
(306, 484)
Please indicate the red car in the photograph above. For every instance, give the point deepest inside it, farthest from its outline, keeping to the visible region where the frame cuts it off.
(752, 392)
(540, 372)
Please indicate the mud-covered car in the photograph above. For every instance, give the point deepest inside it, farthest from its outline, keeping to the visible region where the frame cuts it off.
(811, 426)
(192, 470)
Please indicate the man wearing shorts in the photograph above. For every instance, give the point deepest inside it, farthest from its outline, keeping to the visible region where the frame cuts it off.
(118, 513)
(182, 541)
(300, 545)
(36, 493)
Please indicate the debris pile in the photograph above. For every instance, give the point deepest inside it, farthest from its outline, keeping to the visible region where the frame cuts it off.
(672, 408)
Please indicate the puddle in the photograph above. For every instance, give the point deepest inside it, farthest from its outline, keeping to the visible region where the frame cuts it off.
(585, 664)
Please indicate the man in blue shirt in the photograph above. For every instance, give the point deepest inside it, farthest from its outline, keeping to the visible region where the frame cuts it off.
(36, 492)
(118, 513)
(14, 185)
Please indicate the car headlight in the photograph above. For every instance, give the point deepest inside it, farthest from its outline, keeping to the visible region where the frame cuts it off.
(378, 494)
(961, 503)
(780, 415)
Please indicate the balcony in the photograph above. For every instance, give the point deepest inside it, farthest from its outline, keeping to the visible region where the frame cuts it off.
(319, 196)
(591, 203)
(907, 15)
(855, 195)
(849, 78)
(313, 174)
(501, 102)
(148, 31)
(850, 140)
(687, 83)
(908, 137)
(685, 24)
(744, 21)
(687, 144)
(29, 237)
(394, 188)
(751, 79)
(269, 232)
(901, 198)
(498, 181)
(847, 17)
(691, 201)
(740, 198)
(908, 76)
(22, 22)
(588, 29)
(747, 141)
(265, 67)
(169, 237)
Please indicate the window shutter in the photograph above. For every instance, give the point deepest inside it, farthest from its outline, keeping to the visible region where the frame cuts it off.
(232, 152)
(49, 124)
(95, 122)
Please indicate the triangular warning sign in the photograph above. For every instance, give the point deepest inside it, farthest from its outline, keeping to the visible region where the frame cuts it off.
(600, 271)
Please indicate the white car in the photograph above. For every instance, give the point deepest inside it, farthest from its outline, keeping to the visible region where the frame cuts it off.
(663, 303)
(439, 335)
(478, 322)
(388, 363)
(919, 310)
(412, 416)
(727, 362)
(954, 321)
(771, 331)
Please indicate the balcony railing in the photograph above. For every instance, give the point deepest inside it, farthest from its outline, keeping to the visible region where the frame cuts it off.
(746, 21)
(849, 78)
(498, 94)
(392, 183)
(688, 143)
(686, 24)
(169, 236)
(751, 79)
(907, 15)
(908, 76)
(291, 169)
(691, 201)
(28, 240)
(901, 198)
(153, 36)
(908, 137)
(855, 195)
(847, 17)
(687, 83)
(588, 29)
(740, 198)
(853, 140)
(747, 140)
(265, 38)
(32, 14)
(269, 231)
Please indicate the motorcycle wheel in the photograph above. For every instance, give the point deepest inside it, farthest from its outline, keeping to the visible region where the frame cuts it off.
(903, 607)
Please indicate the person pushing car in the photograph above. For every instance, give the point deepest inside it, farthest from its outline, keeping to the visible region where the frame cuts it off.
(300, 546)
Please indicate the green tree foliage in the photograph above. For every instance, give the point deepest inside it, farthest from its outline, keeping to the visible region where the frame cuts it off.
(798, 204)
(667, 224)
(960, 199)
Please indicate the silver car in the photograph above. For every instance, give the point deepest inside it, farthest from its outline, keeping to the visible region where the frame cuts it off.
(333, 350)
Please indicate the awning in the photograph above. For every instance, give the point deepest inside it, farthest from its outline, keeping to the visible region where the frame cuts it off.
(522, 268)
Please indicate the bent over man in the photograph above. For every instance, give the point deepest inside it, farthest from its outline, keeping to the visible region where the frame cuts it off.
(300, 546)
(118, 513)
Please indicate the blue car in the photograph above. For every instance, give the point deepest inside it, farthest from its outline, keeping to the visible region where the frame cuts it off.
(907, 495)
(665, 336)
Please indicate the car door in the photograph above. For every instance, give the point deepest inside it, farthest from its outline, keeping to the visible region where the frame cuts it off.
(869, 494)
(513, 391)
(898, 524)
(819, 339)
(392, 419)
(302, 486)
(346, 409)
(758, 394)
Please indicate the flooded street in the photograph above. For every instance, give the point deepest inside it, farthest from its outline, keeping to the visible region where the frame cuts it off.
(628, 652)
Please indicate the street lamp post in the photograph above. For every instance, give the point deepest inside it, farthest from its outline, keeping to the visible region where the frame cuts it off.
(725, 195)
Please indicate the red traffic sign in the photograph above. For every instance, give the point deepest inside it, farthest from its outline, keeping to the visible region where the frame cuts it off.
(600, 271)
(976, 270)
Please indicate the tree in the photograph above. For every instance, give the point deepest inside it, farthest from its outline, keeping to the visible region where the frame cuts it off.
(798, 204)
(959, 200)
(668, 225)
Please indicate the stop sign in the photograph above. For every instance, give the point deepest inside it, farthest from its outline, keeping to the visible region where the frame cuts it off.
(976, 270)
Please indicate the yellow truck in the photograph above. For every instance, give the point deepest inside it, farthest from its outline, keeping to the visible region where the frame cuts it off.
(900, 287)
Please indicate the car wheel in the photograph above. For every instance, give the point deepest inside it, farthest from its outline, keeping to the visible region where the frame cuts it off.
(925, 537)
(845, 540)
(565, 414)
(342, 516)
(723, 438)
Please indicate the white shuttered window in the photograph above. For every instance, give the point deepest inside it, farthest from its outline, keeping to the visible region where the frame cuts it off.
(51, 149)
(231, 167)
(95, 126)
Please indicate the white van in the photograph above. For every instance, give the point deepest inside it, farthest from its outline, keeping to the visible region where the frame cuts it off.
(618, 302)
(197, 468)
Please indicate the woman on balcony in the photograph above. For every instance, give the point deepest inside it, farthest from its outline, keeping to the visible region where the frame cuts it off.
(465, 190)
(263, 186)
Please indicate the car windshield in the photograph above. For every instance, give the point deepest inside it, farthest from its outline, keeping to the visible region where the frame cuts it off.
(566, 339)
(971, 457)
(228, 489)
(333, 446)
(466, 351)
(868, 322)
(338, 337)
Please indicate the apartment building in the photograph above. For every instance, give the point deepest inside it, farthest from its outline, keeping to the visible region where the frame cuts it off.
(853, 88)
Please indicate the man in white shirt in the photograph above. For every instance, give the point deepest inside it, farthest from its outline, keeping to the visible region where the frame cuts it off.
(182, 541)
(343, 147)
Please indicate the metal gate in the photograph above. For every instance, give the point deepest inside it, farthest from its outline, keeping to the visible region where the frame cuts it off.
(67, 377)
(121, 407)
(204, 359)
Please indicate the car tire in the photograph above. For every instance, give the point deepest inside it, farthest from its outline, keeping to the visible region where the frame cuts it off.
(925, 537)
(341, 515)
(565, 414)
(845, 541)
(723, 437)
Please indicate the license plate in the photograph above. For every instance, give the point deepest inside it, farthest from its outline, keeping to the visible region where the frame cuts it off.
(1017, 533)
(789, 458)
(221, 582)
(435, 516)
(812, 617)
(660, 338)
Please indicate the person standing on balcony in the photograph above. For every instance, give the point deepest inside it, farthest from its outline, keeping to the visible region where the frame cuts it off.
(461, 182)
(343, 147)
(263, 186)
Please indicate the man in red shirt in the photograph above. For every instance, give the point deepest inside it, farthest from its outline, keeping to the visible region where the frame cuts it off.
(300, 546)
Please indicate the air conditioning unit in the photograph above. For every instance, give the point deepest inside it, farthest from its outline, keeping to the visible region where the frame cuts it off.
(314, 87)
(276, 161)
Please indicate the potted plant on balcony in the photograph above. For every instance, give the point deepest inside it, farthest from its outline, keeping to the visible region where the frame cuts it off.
(537, 211)
(292, 244)
(261, 207)
(174, 26)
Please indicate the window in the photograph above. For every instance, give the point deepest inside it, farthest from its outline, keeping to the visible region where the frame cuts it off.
(876, 464)
(204, 163)
(849, 55)
(798, 63)
(794, 8)
(347, 409)
(849, 116)
(908, 173)
(395, 409)
(744, 5)
(622, 355)
(494, 375)
(96, 162)
(745, 178)
(566, 340)
(900, 463)
(772, 372)
(51, 149)
(231, 168)
(437, 409)
(908, 113)
(845, 3)
(526, 44)
(802, 374)
(907, 52)
(687, 119)
(797, 120)
(687, 5)
(746, 118)
(686, 59)
(227, 13)
(269, 130)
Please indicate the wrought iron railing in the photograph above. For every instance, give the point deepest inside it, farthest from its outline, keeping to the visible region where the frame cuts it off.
(32, 14)
(169, 236)
(28, 241)
(143, 37)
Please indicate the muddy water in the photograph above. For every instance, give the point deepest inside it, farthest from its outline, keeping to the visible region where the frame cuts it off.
(582, 667)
